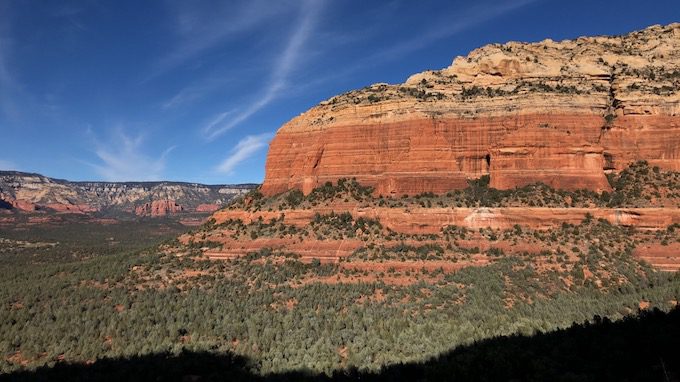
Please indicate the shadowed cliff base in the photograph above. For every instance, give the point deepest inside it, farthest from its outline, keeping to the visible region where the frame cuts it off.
(637, 348)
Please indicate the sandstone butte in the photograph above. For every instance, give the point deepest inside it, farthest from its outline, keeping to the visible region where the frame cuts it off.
(562, 113)
(158, 208)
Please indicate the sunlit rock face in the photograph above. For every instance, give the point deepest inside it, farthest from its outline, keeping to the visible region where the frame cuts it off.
(24, 192)
(158, 208)
(562, 113)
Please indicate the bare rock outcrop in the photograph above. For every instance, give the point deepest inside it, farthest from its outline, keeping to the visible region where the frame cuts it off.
(8, 202)
(25, 192)
(158, 208)
(562, 113)
(207, 207)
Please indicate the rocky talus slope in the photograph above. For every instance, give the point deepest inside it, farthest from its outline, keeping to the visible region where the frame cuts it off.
(33, 192)
(562, 113)
(345, 223)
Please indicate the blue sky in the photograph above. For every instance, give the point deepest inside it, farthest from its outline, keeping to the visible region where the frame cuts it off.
(194, 91)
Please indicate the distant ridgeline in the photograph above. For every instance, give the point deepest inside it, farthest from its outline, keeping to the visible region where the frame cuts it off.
(26, 192)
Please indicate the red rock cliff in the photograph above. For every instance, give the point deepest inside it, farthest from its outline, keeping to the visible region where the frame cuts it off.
(561, 113)
(158, 208)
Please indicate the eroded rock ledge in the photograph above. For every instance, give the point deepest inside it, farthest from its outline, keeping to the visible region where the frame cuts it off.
(562, 113)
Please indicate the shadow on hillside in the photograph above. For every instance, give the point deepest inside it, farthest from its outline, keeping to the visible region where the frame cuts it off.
(5, 205)
(642, 348)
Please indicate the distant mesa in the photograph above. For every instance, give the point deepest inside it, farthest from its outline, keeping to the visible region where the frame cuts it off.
(158, 208)
(34, 193)
(561, 113)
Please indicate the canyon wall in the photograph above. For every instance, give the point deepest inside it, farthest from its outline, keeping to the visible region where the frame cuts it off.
(566, 114)
(35, 193)
(562, 113)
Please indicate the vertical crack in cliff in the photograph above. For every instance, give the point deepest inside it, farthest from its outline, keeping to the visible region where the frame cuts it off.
(608, 161)
(610, 115)
(317, 160)
(612, 105)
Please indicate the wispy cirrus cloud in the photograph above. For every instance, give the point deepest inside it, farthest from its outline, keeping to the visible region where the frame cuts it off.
(183, 96)
(122, 158)
(8, 84)
(71, 13)
(5, 46)
(200, 89)
(446, 27)
(281, 70)
(432, 31)
(243, 150)
(17, 100)
(203, 25)
(8, 165)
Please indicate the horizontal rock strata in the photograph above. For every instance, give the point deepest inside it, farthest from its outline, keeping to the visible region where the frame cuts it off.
(432, 220)
(25, 192)
(562, 113)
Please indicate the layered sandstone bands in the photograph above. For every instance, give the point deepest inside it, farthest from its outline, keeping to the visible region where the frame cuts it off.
(158, 208)
(432, 220)
(561, 113)
(25, 192)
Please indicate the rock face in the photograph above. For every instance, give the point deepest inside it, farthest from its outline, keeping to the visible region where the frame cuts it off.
(158, 208)
(33, 192)
(21, 205)
(561, 113)
(432, 220)
(207, 208)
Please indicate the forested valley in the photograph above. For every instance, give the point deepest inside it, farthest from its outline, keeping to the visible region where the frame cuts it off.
(70, 298)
